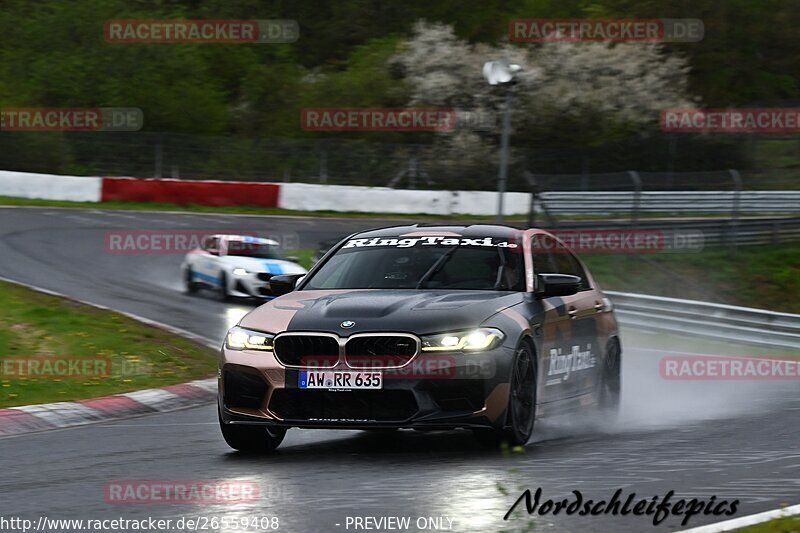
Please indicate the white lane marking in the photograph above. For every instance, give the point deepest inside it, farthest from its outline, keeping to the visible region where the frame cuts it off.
(167, 222)
(88, 221)
(744, 521)
(156, 425)
(113, 214)
(673, 352)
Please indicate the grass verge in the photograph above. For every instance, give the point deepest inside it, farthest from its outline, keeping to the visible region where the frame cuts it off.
(789, 524)
(766, 277)
(37, 330)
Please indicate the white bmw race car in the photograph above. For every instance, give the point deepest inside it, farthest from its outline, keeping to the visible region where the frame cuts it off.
(235, 265)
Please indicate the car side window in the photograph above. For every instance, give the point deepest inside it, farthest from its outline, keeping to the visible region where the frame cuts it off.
(211, 245)
(549, 255)
(581, 273)
(567, 263)
(542, 254)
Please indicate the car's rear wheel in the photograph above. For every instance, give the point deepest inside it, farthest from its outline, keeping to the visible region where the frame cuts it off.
(521, 411)
(189, 285)
(252, 439)
(611, 382)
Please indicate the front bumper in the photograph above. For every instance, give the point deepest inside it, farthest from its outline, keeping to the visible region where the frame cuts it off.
(434, 391)
(252, 284)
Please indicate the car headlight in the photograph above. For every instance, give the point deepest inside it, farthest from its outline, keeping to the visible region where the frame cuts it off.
(240, 272)
(245, 339)
(473, 340)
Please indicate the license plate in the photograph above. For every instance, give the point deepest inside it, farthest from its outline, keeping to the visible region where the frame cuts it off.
(313, 379)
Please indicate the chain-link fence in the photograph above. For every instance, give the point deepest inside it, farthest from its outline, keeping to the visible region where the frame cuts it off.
(664, 162)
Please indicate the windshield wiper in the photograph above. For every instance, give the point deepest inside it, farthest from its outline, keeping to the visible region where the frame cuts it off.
(436, 267)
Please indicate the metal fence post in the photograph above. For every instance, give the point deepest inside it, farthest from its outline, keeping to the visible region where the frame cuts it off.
(637, 196)
(502, 177)
(323, 165)
(737, 198)
(672, 148)
(159, 156)
(531, 179)
(585, 173)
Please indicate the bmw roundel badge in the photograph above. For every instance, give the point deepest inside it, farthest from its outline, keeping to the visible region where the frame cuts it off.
(347, 324)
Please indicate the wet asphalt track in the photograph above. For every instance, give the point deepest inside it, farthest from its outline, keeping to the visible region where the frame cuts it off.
(738, 441)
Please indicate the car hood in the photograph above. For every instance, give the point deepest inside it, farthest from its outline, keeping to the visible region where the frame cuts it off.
(419, 312)
(271, 266)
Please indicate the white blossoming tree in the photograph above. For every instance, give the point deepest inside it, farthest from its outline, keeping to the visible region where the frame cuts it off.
(578, 93)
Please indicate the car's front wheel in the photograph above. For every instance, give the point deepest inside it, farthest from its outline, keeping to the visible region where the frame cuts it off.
(521, 411)
(222, 291)
(189, 285)
(252, 439)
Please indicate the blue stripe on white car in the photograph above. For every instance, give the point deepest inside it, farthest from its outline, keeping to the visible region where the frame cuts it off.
(205, 277)
(273, 267)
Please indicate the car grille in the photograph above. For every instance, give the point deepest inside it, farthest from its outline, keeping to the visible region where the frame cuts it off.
(244, 387)
(264, 276)
(377, 405)
(456, 394)
(318, 351)
(380, 351)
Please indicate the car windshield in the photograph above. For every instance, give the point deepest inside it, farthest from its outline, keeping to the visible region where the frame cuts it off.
(252, 249)
(426, 263)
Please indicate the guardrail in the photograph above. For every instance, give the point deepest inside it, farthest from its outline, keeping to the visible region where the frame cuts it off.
(625, 202)
(714, 231)
(717, 321)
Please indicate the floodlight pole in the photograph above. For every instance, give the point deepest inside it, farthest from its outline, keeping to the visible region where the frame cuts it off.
(502, 176)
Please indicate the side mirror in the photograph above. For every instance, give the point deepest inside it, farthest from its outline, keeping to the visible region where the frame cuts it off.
(548, 285)
(284, 283)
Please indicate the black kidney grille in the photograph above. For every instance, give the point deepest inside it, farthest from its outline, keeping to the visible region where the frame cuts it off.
(380, 351)
(313, 351)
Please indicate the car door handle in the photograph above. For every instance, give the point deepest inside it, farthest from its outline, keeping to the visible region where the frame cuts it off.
(573, 313)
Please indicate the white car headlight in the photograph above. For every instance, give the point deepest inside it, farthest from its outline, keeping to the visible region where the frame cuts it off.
(245, 339)
(240, 272)
(473, 340)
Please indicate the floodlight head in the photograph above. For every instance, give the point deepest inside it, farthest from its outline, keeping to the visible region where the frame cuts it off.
(501, 71)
